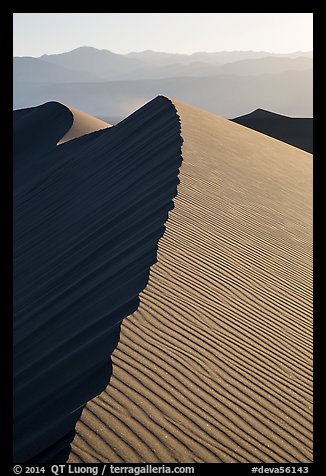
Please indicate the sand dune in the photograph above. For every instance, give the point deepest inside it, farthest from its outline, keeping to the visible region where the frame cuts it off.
(82, 124)
(38, 131)
(215, 365)
(214, 358)
(87, 219)
(296, 131)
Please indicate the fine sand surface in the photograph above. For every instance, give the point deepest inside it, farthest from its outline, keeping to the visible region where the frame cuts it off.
(215, 365)
(82, 124)
(214, 361)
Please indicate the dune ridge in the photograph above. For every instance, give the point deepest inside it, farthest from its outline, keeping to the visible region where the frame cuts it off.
(214, 359)
(82, 124)
(216, 363)
(39, 128)
(87, 218)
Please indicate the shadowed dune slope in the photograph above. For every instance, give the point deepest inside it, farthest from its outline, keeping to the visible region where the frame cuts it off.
(41, 127)
(38, 130)
(296, 131)
(216, 363)
(88, 215)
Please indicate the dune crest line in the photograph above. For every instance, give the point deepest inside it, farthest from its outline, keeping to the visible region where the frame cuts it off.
(216, 363)
(82, 124)
(88, 215)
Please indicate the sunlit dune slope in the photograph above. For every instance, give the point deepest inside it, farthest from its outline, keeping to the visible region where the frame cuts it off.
(216, 363)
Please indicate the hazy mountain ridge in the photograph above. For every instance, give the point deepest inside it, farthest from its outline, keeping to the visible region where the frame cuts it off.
(221, 57)
(227, 83)
(36, 70)
(246, 67)
(105, 65)
(102, 63)
(225, 95)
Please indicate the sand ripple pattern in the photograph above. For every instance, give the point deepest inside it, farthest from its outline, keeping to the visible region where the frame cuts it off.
(216, 363)
(88, 215)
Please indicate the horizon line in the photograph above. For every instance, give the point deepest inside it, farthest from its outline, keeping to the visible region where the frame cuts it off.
(165, 52)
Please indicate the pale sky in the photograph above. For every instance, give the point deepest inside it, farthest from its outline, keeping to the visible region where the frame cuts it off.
(39, 33)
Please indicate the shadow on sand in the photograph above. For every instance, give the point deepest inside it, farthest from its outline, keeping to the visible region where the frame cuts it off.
(88, 216)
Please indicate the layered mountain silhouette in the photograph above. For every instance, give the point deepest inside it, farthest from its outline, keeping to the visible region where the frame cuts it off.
(225, 83)
(35, 70)
(110, 66)
(102, 63)
(221, 57)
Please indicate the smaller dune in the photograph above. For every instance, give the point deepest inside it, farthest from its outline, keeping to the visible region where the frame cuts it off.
(296, 131)
(82, 124)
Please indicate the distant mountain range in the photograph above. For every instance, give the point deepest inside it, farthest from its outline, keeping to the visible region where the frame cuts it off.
(226, 83)
(35, 70)
(89, 64)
